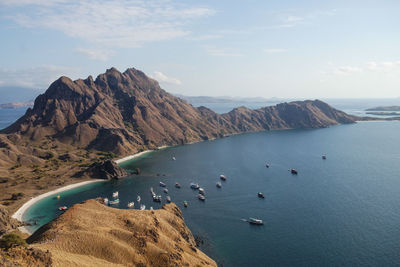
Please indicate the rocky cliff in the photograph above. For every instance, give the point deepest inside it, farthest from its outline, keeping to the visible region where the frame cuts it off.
(92, 234)
(127, 112)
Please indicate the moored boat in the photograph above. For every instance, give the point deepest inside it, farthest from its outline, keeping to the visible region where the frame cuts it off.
(142, 207)
(156, 198)
(63, 208)
(115, 194)
(162, 184)
(293, 171)
(260, 195)
(222, 177)
(194, 186)
(131, 204)
(201, 191)
(168, 199)
(165, 190)
(323, 156)
(185, 204)
(138, 198)
(105, 201)
(177, 185)
(201, 197)
(255, 221)
(114, 202)
(219, 185)
(267, 165)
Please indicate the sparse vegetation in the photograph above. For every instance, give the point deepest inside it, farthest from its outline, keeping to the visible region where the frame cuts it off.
(106, 155)
(11, 240)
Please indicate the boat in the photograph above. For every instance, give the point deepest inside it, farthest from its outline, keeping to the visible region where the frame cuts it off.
(219, 185)
(138, 198)
(162, 184)
(165, 190)
(168, 199)
(156, 198)
(63, 208)
(114, 202)
(323, 156)
(105, 201)
(185, 204)
(201, 197)
(131, 204)
(58, 197)
(177, 185)
(201, 191)
(152, 191)
(267, 165)
(115, 194)
(194, 186)
(142, 207)
(173, 158)
(260, 195)
(151, 208)
(255, 221)
(293, 171)
(222, 177)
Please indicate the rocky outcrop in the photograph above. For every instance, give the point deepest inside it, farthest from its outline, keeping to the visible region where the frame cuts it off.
(104, 170)
(92, 234)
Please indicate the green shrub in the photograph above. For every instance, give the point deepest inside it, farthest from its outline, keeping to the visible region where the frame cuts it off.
(11, 240)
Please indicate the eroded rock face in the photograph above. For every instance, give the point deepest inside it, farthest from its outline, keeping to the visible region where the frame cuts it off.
(104, 170)
(126, 112)
(93, 234)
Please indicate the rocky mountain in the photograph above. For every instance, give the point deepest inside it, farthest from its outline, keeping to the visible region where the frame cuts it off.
(92, 234)
(128, 112)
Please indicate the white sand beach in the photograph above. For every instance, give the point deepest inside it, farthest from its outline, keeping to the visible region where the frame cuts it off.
(20, 212)
(118, 161)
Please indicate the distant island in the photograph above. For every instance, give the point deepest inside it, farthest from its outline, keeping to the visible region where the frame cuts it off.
(379, 113)
(16, 105)
(384, 108)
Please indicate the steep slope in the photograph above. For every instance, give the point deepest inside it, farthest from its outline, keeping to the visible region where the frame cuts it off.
(127, 112)
(82, 237)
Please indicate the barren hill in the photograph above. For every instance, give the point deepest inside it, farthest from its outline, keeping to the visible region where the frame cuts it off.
(83, 237)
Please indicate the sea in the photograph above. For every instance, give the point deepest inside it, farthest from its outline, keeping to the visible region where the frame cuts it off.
(341, 211)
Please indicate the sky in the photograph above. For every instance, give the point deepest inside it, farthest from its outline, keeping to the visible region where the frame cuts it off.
(285, 49)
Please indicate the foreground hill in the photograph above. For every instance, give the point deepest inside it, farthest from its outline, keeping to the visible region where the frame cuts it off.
(83, 237)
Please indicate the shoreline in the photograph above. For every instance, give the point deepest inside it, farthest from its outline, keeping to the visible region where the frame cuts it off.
(18, 215)
(133, 156)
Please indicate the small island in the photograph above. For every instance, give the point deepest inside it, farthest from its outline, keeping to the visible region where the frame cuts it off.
(384, 108)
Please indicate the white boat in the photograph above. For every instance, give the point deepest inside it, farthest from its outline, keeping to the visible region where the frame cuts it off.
(162, 184)
(201, 191)
(255, 221)
(138, 198)
(194, 186)
(151, 208)
(173, 158)
(105, 201)
(222, 177)
(201, 197)
(114, 202)
(63, 208)
(168, 199)
(177, 185)
(115, 194)
(142, 207)
(165, 190)
(156, 198)
(219, 185)
(131, 204)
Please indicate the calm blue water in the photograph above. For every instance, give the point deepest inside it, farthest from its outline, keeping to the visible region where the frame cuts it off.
(10, 115)
(340, 211)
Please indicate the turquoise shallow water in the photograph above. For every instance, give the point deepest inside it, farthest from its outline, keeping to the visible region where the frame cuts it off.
(340, 211)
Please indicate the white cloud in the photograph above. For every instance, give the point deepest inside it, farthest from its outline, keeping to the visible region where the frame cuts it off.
(205, 37)
(348, 69)
(369, 67)
(162, 78)
(116, 23)
(274, 50)
(96, 54)
(294, 19)
(37, 77)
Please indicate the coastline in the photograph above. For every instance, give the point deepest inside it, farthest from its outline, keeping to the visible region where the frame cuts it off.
(133, 156)
(21, 211)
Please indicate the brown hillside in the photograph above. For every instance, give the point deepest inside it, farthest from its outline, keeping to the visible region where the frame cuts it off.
(92, 234)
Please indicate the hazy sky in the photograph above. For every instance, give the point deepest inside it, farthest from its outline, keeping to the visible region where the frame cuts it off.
(291, 49)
